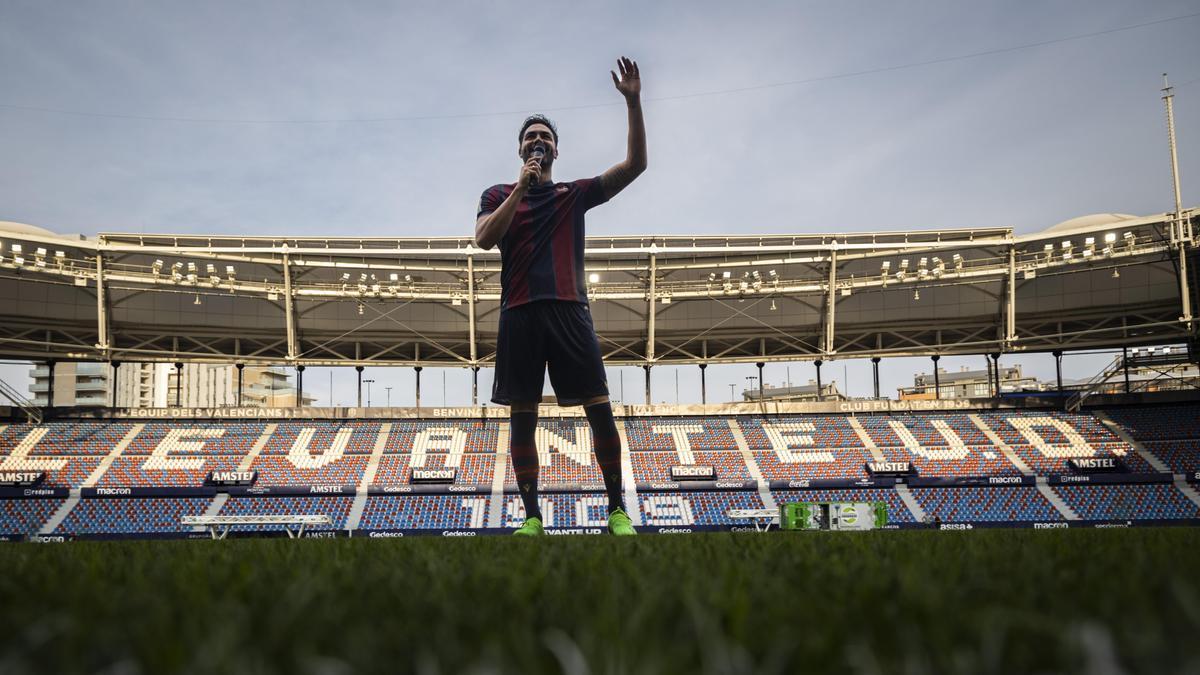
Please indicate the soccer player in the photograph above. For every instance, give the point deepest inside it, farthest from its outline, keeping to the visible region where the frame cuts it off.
(544, 315)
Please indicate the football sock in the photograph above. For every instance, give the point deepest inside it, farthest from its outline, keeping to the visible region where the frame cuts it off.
(523, 451)
(608, 451)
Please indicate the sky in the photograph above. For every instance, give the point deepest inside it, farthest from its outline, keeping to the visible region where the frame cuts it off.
(389, 119)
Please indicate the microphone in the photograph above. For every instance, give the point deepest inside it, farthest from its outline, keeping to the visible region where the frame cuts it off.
(538, 152)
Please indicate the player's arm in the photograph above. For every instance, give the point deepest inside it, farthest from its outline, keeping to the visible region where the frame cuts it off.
(621, 175)
(491, 227)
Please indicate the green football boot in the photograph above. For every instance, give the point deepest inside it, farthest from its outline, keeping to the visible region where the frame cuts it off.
(532, 527)
(620, 524)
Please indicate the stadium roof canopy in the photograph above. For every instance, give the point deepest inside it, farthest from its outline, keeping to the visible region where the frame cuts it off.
(1098, 281)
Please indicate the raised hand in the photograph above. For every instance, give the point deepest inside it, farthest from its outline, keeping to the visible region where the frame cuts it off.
(630, 81)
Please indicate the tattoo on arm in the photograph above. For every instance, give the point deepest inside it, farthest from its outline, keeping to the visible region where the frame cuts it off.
(616, 179)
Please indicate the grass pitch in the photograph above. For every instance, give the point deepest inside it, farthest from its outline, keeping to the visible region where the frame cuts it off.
(998, 601)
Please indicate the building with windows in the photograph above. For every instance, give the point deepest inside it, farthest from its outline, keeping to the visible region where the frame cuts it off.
(146, 385)
(968, 383)
(798, 393)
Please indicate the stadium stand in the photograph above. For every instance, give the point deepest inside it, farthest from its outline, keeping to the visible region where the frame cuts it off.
(425, 512)
(987, 504)
(937, 445)
(26, 516)
(1160, 501)
(896, 510)
(300, 454)
(1045, 439)
(337, 508)
(468, 445)
(135, 515)
(1170, 433)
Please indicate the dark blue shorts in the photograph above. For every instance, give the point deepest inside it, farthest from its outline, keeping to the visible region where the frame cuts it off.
(553, 332)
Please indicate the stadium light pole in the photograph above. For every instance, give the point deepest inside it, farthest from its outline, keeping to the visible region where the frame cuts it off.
(389, 396)
(369, 382)
(752, 378)
(875, 367)
(731, 388)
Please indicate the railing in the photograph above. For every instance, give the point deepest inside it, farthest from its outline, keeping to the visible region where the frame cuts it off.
(1075, 402)
(31, 411)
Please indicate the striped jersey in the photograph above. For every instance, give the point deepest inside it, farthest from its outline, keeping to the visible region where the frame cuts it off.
(541, 255)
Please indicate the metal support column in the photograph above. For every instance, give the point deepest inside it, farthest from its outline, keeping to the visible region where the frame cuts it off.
(417, 370)
(830, 303)
(178, 383)
(471, 320)
(50, 382)
(760, 365)
(937, 381)
(240, 367)
(1058, 368)
(703, 386)
(1180, 234)
(289, 314)
(1010, 309)
(474, 385)
(996, 369)
(300, 386)
(102, 341)
(875, 369)
(116, 366)
(818, 363)
(650, 309)
(359, 369)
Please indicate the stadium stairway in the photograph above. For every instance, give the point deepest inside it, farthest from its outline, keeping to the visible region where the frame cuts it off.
(368, 477)
(631, 497)
(1181, 483)
(496, 509)
(764, 488)
(1042, 486)
(914, 507)
(112, 456)
(1001, 445)
(1187, 490)
(218, 502)
(65, 510)
(1140, 449)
